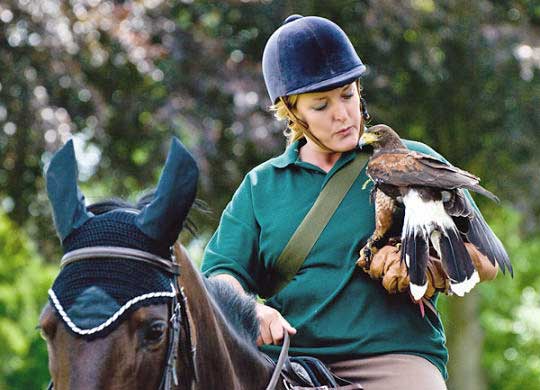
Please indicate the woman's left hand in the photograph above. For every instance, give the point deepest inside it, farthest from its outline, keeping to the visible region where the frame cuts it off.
(386, 264)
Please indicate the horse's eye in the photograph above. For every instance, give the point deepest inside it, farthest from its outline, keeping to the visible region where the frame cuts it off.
(155, 331)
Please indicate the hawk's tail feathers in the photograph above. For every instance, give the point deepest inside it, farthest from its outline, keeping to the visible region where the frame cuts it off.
(456, 260)
(415, 253)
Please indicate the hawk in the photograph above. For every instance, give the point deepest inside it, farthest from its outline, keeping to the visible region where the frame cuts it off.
(423, 198)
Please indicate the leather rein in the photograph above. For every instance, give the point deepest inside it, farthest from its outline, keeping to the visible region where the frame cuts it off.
(179, 319)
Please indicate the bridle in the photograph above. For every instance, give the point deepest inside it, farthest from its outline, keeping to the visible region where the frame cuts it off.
(178, 307)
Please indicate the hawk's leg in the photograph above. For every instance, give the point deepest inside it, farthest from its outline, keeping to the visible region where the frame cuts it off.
(384, 212)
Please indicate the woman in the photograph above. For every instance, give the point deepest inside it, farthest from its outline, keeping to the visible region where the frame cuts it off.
(335, 311)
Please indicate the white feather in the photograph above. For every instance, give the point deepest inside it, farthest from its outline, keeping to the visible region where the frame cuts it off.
(422, 214)
(436, 241)
(418, 291)
(460, 289)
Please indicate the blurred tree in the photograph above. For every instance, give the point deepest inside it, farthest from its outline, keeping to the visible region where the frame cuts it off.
(510, 309)
(24, 280)
(121, 77)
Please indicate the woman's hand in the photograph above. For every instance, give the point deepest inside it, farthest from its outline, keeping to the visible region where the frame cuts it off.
(386, 264)
(271, 325)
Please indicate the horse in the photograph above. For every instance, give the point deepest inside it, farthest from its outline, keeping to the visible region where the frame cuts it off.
(107, 326)
(219, 336)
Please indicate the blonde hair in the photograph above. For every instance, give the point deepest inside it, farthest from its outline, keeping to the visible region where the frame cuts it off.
(283, 112)
(284, 108)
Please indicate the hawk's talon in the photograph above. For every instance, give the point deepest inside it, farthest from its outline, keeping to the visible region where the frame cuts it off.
(366, 254)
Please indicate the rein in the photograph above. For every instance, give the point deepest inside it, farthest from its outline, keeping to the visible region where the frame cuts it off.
(283, 355)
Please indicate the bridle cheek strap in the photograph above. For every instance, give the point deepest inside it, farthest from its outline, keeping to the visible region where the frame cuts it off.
(179, 321)
(170, 375)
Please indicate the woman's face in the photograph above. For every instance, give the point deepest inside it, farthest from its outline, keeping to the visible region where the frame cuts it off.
(332, 116)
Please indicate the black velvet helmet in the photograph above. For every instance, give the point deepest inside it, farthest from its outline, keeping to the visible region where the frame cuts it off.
(308, 54)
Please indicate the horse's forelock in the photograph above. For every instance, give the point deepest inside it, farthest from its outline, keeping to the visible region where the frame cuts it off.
(107, 205)
(111, 204)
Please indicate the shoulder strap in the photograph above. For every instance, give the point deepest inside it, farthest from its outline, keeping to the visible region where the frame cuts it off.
(311, 227)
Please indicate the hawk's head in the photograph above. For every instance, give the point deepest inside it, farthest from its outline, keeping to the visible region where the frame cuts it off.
(380, 137)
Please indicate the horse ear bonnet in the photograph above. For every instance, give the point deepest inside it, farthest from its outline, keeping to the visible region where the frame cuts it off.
(92, 296)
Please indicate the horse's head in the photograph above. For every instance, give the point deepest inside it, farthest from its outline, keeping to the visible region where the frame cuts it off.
(115, 304)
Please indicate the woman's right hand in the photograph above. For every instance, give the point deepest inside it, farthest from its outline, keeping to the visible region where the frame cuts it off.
(271, 322)
(272, 325)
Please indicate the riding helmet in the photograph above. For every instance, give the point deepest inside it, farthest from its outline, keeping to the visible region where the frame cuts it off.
(308, 54)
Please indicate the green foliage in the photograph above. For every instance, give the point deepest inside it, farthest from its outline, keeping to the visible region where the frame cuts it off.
(24, 280)
(123, 77)
(510, 311)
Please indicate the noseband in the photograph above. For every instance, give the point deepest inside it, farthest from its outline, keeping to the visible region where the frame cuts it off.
(179, 319)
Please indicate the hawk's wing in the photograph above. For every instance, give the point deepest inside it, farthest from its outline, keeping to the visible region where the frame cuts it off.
(404, 168)
(476, 230)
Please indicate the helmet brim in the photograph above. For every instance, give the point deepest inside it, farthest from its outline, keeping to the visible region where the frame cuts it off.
(331, 83)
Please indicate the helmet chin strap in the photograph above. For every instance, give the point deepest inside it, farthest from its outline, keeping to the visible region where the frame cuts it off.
(316, 141)
(308, 134)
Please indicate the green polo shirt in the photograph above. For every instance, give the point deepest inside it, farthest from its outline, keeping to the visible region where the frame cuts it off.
(338, 310)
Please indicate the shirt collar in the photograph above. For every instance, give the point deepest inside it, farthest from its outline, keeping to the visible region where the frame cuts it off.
(290, 155)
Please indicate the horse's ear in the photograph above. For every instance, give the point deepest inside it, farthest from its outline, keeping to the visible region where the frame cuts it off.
(67, 201)
(163, 218)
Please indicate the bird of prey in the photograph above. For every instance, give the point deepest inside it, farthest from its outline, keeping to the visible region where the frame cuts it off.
(437, 214)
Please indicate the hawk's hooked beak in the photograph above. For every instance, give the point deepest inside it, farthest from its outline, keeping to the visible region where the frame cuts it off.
(367, 139)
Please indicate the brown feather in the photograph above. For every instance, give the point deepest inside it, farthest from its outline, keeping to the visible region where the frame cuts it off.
(404, 168)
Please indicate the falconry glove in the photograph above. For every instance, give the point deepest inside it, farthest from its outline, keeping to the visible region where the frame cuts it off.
(387, 266)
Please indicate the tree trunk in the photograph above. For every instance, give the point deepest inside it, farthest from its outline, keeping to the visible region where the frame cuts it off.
(465, 343)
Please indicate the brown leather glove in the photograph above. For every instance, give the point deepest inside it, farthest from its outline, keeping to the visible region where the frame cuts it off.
(486, 270)
(437, 279)
(386, 264)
